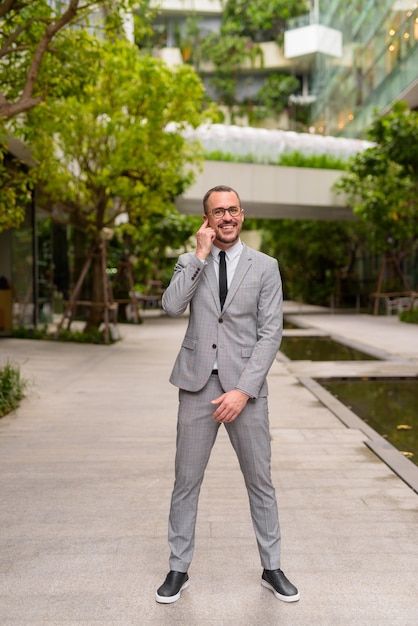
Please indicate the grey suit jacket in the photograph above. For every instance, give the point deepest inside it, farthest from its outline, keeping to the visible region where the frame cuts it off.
(245, 335)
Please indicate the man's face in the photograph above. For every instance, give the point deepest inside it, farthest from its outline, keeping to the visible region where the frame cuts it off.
(227, 228)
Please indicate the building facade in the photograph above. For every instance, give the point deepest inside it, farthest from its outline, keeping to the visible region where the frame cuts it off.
(378, 65)
(351, 58)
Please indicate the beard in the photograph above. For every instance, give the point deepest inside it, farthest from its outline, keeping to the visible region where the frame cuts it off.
(228, 236)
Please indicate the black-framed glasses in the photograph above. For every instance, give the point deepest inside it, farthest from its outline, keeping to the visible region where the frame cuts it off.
(233, 211)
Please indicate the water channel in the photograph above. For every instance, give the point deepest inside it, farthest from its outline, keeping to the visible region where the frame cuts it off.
(389, 406)
(320, 349)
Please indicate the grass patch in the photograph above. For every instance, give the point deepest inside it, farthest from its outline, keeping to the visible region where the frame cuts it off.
(95, 336)
(289, 159)
(12, 388)
(411, 317)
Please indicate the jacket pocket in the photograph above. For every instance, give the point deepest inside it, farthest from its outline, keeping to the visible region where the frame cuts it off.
(246, 352)
(189, 343)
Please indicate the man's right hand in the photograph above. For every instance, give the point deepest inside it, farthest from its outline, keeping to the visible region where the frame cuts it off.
(204, 237)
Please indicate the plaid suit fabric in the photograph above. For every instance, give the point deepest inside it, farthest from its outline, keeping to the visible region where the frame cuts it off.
(244, 337)
(196, 435)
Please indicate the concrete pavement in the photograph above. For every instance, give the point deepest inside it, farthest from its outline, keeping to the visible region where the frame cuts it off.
(86, 472)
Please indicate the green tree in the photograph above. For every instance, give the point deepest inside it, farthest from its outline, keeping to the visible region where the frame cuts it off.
(16, 185)
(262, 20)
(41, 57)
(313, 272)
(381, 185)
(152, 245)
(47, 50)
(116, 146)
(274, 94)
(227, 53)
(244, 25)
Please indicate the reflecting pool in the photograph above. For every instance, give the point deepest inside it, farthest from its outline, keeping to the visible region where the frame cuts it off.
(389, 406)
(320, 349)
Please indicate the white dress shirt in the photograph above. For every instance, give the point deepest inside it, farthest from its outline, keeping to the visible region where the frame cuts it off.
(231, 257)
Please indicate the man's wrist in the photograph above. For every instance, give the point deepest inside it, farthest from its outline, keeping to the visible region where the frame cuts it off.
(244, 393)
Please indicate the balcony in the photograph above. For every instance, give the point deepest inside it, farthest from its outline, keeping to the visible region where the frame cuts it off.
(207, 7)
(305, 37)
(271, 57)
(305, 42)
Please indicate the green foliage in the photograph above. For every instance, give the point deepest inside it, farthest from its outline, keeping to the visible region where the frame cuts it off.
(12, 387)
(244, 25)
(110, 141)
(218, 155)
(315, 161)
(102, 118)
(94, 335)
(42, 58)
(261, 20)
(411, 317)
(381, 183)
(23, 332)
(275, 92)
(289, 159)
(115, 146)
(312, 271)
(16, 183)
(227, 53)
(151, 245)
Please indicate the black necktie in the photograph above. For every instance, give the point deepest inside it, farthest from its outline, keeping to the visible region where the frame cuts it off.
(223, 285)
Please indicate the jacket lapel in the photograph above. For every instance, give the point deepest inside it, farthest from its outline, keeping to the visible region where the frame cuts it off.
(243, 266)
(210, 276)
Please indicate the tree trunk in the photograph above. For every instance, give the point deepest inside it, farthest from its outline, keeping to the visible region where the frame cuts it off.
(98, 287)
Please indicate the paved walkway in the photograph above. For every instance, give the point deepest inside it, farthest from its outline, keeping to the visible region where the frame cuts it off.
(86, 471)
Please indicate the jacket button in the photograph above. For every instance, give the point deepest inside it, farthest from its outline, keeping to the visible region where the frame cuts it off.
(214, 346)
(220, 320)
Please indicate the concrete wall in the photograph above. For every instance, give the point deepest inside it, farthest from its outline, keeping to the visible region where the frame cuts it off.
(270, 191)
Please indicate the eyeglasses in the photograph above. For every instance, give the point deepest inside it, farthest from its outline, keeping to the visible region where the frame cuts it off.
(233, 211)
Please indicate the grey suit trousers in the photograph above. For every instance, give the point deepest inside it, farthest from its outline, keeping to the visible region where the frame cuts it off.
(196, 435)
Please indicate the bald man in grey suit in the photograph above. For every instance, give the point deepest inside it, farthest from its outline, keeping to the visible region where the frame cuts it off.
(221, 372)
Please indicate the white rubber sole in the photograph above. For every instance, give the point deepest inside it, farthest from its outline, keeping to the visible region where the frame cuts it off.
(170, 599)
(278, 595)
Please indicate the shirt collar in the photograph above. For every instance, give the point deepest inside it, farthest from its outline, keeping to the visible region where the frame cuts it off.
(230, 254)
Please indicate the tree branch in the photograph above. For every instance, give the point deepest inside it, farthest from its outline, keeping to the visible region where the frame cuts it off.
(6, 47)
(26, 101)
(51, 30)
(10, 5)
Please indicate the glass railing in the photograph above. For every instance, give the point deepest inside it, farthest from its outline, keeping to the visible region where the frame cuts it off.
(299, 22)
(402, 77)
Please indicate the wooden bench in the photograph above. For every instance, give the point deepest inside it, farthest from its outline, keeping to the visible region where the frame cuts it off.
(151, 297)
(395, 301)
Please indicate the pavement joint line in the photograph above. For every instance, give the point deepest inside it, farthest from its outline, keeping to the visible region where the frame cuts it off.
(88, 545)
(404, 468)
(393, 458)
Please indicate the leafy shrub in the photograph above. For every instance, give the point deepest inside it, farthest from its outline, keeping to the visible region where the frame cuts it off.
(318, 161)
(95, 336)
(289, 159)
(411, 317)
(12, 388)
(21, 332)
(79, 336)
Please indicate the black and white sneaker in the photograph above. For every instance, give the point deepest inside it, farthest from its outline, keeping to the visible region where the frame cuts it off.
(276, 581)
(172, 587)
